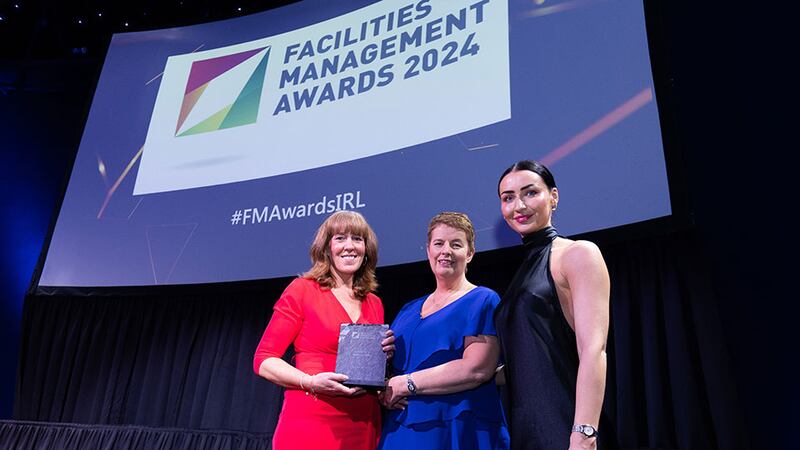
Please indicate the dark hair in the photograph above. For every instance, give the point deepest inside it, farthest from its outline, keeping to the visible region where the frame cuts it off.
(344, 222)
(456, 220)
(533, 166)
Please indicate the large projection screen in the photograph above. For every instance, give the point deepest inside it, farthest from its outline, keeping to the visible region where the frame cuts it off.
(212, 152)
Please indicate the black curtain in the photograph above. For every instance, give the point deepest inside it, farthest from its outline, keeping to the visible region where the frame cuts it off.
(669, 382)
(166, 361)
(171, 360)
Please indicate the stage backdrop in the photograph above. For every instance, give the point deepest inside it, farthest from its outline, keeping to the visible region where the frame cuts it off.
(212, 152)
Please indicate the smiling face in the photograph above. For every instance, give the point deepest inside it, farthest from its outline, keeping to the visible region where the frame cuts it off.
(448, 251)
(526, 202)
(347, 253)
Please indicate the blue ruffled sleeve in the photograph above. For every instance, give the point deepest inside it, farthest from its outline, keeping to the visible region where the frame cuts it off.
(483, 313)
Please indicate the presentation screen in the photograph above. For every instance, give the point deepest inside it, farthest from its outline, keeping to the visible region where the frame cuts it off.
(212, 152)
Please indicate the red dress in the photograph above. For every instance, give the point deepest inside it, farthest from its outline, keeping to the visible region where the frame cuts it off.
(309, 317)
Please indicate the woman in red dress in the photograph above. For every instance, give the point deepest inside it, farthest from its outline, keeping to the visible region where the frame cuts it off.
(319, 412)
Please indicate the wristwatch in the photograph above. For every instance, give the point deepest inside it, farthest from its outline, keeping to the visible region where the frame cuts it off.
(412, 388)
(586, 430)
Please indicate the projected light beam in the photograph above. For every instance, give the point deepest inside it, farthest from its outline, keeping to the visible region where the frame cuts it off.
(130, 164)
(561, 7)
(599, 127)
(122, 176)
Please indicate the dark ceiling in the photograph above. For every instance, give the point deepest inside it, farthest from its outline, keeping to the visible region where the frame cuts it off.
(59, 46)
(53, 29)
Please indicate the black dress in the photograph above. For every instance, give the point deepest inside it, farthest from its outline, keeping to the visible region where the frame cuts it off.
(541, 355)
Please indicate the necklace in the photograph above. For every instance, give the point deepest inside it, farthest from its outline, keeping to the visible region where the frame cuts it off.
(435, 304)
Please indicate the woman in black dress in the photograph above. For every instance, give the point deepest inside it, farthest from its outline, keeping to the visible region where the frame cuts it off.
(552, 323)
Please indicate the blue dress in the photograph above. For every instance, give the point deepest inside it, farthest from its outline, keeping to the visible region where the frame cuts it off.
(465, 420)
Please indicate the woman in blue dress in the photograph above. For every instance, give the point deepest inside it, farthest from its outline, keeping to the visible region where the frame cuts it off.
(442, 394)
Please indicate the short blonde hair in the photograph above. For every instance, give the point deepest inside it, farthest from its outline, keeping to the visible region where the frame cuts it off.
(344, 222)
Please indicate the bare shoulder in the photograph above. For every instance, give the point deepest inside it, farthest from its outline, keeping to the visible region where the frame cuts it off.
(580, 255)
(582, 249)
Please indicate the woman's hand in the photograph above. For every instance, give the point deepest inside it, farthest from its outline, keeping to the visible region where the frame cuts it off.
(385, 397)
(330, 383)
(388, 344)
(395, 393)
(578, 441)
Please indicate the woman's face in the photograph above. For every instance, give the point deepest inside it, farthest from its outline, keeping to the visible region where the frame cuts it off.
(448, 251)
(526, 202)
(347, 252)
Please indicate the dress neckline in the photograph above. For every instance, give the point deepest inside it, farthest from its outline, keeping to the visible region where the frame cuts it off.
(344, 310)
(443, 307)
(539, 238)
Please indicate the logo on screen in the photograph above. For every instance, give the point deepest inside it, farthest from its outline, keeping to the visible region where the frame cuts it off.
(223, 92)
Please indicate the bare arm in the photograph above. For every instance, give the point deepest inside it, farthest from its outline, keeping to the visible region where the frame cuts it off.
(475, 368)
(284, 374)
(328, 383)
(586, 273)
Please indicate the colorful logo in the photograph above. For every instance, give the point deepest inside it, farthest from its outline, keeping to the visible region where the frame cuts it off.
(209, 103)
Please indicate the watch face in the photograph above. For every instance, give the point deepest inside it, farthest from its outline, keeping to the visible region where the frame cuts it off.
(588, 430)
(412, 388)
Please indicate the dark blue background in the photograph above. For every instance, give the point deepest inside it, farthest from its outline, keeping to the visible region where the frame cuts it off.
(40, 128)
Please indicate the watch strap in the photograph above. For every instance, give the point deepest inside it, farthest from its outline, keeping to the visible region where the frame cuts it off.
(412, 388)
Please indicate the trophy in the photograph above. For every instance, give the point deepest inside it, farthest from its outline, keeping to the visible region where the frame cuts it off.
(360, 355)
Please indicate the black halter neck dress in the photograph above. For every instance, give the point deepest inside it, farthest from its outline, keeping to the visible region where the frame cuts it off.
(540, 352)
